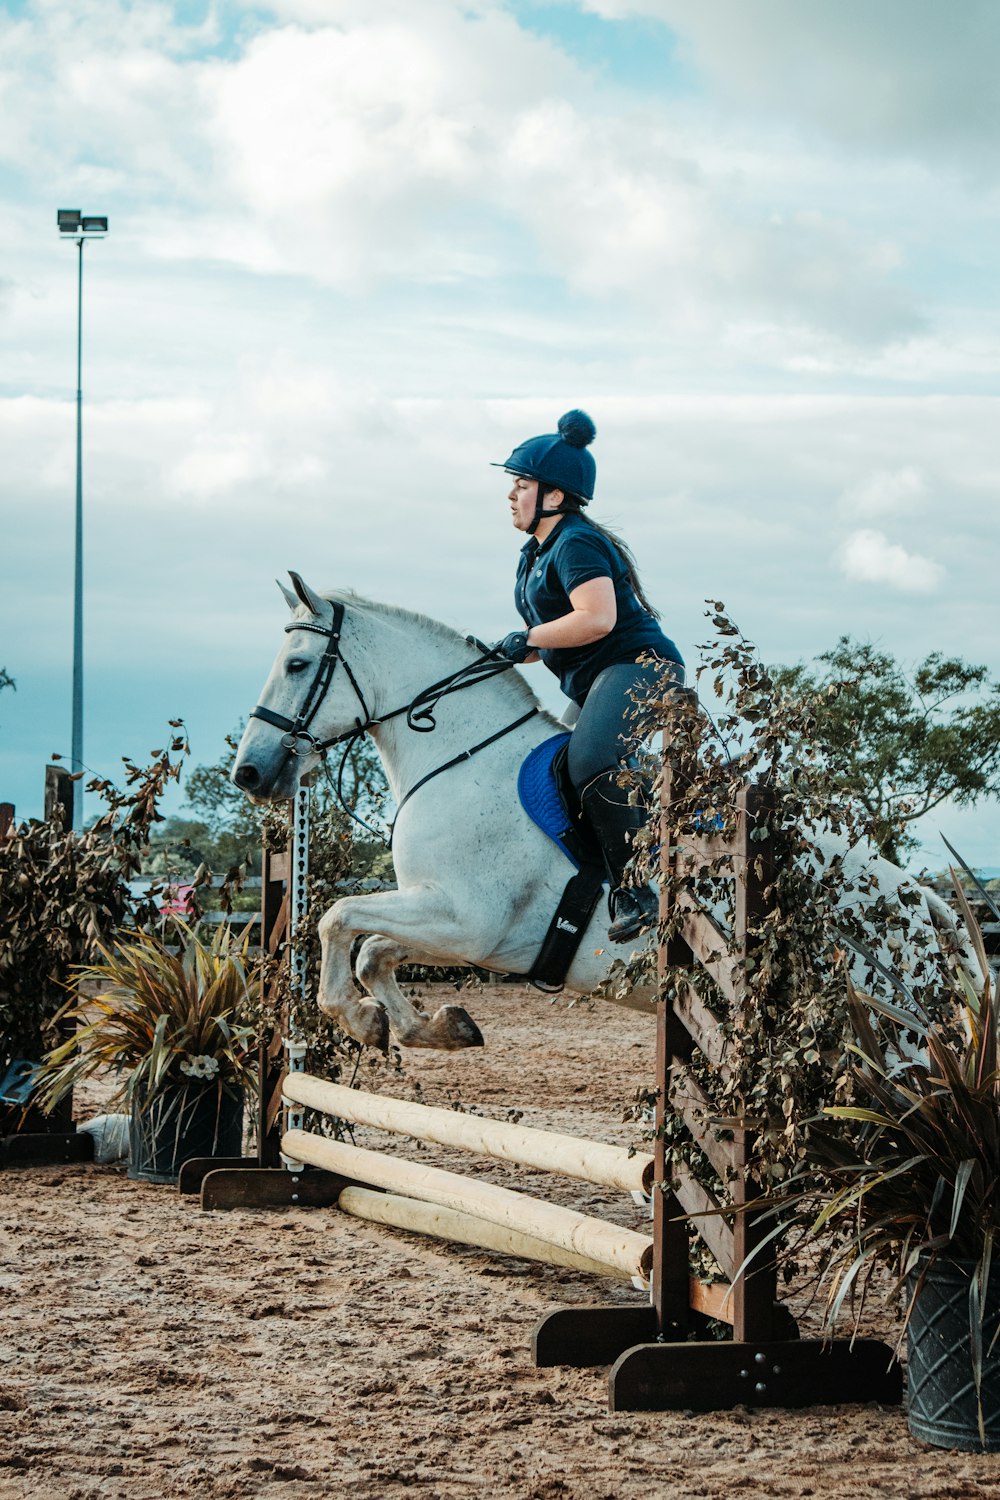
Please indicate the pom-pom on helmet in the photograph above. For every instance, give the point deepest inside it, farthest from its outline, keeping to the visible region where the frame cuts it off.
(559, 460)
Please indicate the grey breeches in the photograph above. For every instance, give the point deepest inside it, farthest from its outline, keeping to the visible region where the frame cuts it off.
(608, 729)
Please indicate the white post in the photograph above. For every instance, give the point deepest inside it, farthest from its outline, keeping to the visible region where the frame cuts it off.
(295, 1046)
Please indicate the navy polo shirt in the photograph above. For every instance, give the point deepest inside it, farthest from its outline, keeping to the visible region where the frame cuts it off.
(548, 572)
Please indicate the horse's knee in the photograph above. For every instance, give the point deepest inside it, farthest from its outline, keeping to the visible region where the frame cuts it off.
(331, 924)
(330, 1006)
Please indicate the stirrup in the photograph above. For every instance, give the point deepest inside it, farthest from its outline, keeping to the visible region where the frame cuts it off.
(634, 910)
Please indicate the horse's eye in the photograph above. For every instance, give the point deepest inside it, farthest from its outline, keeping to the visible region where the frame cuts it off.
(295, 665)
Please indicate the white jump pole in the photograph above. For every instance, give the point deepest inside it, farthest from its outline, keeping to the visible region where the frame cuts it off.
(595, 1239)
(525, 1146)
(459, 1228)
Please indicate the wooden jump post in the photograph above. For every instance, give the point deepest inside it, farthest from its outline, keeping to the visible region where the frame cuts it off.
(658, 1364)
(259, 1181)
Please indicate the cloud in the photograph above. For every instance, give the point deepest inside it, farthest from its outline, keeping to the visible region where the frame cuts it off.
(446, 148)
(903, 76)
(869, 557)
(624, 208)
(885, 492)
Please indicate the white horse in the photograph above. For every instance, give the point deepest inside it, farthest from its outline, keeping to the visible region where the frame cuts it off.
(478, 882)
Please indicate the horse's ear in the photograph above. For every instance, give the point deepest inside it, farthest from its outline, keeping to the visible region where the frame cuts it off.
(305, 594)
(290, 599)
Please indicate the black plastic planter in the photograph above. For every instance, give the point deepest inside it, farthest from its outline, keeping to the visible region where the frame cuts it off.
(943, 1403)
(182, 1121)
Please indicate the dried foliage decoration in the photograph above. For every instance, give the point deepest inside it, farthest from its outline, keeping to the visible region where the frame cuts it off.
(330, 1053)
(785, 1059)
(63, 895)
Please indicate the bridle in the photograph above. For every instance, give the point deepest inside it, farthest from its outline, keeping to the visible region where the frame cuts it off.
(298, 728)
(298, 739)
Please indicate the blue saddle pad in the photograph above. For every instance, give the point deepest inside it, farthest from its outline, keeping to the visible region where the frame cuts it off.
(536, 787)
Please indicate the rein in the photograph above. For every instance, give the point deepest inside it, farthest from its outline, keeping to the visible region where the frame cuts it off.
(419, 711)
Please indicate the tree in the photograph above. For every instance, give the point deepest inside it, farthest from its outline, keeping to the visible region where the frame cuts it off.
(6, 680)
(180, 846)
(233, 824)
(900, 743)
(227, 829)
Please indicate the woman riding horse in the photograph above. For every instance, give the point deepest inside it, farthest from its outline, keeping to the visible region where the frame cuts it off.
(588, 620)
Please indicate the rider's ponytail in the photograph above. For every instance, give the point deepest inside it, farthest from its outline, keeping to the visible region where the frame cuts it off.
(574, 505)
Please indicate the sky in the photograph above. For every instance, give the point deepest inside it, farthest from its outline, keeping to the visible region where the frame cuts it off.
(359, 249)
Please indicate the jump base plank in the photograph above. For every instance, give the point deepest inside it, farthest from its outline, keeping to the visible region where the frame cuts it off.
(270, 1187)
(46, 1150)
(717, 1377)
(194, 1171)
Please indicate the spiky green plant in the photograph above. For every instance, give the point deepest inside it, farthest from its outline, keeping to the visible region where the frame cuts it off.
(921, 1176)
(909, 1171)
(160, 1017)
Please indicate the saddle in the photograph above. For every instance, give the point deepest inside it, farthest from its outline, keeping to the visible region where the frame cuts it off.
(551, 802)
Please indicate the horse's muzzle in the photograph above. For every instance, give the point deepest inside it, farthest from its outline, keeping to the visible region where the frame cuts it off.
(268, 783)
(246, 777)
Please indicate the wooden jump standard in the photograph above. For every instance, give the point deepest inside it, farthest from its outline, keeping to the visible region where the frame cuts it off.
(657, 1362)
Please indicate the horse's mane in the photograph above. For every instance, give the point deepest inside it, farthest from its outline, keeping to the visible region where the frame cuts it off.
(513, 681)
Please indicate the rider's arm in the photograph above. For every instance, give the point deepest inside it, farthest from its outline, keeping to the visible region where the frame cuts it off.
(593, 616)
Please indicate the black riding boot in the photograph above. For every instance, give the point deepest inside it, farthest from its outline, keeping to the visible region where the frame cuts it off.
(634, 908)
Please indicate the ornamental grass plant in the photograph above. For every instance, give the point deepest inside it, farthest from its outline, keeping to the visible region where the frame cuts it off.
(161, 1018)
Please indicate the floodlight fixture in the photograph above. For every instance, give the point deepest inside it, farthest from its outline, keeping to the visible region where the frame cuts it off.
(72, 221)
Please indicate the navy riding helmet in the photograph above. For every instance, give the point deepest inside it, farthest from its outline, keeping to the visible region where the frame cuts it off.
(558, 460)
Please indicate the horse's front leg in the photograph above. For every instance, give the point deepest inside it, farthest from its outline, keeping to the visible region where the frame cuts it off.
(364, 1019)
(404, 922)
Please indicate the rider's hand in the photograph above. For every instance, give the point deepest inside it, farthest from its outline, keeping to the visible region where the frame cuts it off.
(514, 647)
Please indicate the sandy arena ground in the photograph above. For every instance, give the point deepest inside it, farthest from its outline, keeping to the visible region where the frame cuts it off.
(149, 1350)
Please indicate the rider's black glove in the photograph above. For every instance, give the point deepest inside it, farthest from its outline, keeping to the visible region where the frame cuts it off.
(514, 647)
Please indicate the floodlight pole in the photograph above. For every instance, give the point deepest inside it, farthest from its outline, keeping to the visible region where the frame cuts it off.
(71, 221)
(76, 756)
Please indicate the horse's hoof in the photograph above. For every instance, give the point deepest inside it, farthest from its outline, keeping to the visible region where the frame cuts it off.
(371, 1028)
(456, 1028)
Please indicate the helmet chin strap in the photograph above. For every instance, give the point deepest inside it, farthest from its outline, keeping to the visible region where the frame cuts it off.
(542, 514)
(543, 490)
